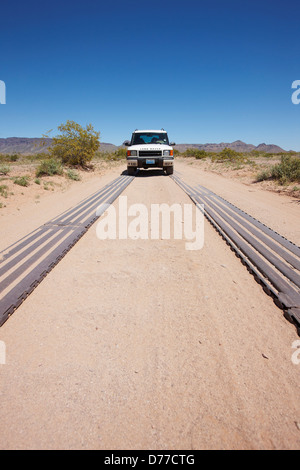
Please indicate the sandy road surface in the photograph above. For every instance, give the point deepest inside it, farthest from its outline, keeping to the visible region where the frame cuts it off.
(141, 344)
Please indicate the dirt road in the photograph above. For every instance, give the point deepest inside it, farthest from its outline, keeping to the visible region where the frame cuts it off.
(141, 344)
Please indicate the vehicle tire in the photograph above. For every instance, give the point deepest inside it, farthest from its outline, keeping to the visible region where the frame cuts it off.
(170, 170)
(131, 170)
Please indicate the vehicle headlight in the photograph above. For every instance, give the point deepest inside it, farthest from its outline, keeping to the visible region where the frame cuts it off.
(131, 153)
(168, 152)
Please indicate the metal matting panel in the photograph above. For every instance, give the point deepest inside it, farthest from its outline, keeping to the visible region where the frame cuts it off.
(272, 259)
(25, 263)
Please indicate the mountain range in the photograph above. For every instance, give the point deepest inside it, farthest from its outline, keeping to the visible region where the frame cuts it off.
(33, 145)
(238, 146)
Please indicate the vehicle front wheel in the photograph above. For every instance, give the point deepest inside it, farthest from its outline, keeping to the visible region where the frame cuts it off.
(131, 170)
(170, 170)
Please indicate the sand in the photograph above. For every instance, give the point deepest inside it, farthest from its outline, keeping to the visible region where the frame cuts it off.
(141, 344)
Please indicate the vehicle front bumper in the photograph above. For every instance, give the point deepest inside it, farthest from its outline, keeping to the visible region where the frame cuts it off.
(141, 162)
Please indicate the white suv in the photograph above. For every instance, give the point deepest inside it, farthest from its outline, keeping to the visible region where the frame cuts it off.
(150, 149)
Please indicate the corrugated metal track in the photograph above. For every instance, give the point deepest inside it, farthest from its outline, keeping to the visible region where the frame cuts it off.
(271, 258)
(25, 263)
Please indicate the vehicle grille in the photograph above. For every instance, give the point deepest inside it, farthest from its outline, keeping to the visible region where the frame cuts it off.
(150, 153)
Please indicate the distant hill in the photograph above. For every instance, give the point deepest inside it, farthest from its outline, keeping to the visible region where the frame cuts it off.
(238, 146)
(268, 148)
(24, 145)
(32, 145)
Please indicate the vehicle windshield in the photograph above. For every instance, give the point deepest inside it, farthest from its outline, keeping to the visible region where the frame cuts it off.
(139, 138)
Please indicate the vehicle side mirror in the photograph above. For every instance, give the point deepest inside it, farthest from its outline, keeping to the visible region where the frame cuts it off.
(172, 143)
(126, 143)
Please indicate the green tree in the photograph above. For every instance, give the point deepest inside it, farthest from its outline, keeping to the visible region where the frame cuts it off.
(76, 146)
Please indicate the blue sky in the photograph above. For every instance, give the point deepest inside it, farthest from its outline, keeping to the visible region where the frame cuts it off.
(206, 71)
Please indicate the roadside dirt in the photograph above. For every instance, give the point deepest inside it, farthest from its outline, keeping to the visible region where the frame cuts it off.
(13, 197)
(246, 172)
(141, 344)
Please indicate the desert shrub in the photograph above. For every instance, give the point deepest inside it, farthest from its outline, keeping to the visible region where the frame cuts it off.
(228, 155)
(49, 167)
(268, 155)
(3, 190)
(48, 185)
(4, 170)
(287, 170)
(255, 153)
(119, 154)
(100, 155)
(73, 175)
(201, 154)
(75, 146)
(196, 153)
(263, 175)
(22, 180)
(36, 157)
(4, 157)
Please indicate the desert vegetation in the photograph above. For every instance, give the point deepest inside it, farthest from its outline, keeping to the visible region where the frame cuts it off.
(75, 153)
(281, 168)
(77, 150)
(285, 172)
